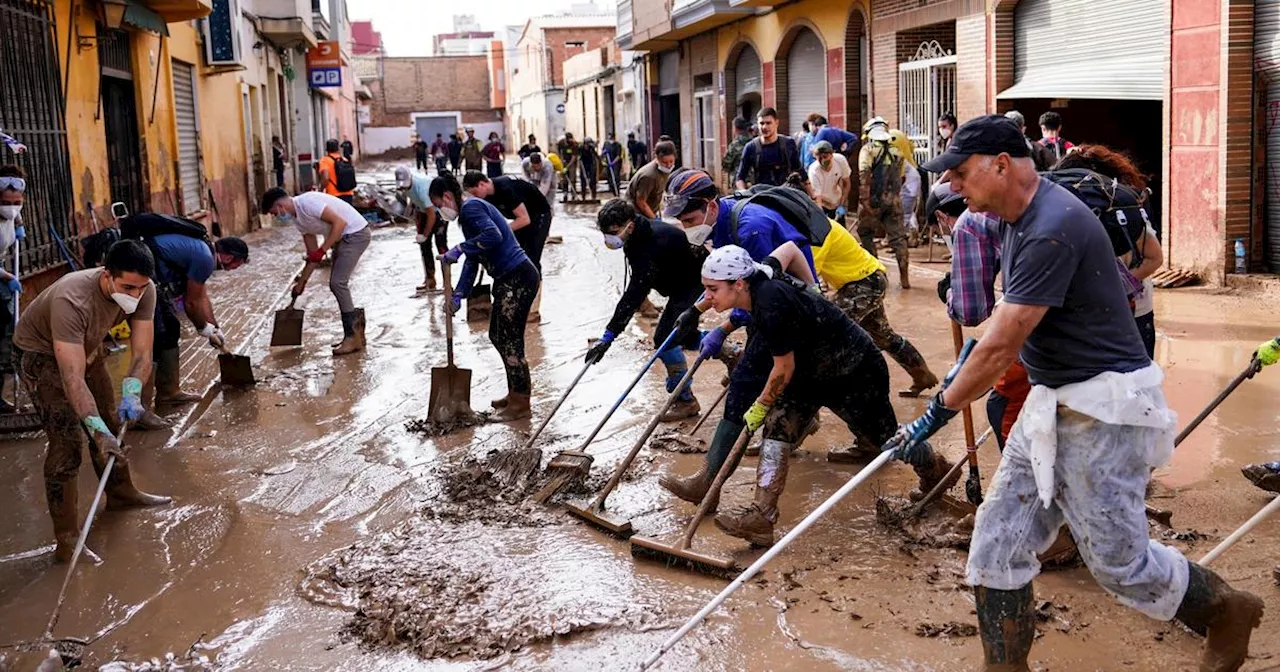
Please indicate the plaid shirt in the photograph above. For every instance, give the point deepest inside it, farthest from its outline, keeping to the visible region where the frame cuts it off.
(975, 260)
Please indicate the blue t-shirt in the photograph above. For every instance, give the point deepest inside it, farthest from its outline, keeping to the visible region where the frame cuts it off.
(1058, 255)
(489, 242)
(182, 257)
(418, 192)
(760, 231)
(837, 137)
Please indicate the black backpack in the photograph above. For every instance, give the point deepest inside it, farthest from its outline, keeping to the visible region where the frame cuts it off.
(794, 205)
(1119, 207)
(344, 175)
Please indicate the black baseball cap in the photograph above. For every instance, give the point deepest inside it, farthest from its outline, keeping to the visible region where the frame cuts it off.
(990, 135)
(941, 197)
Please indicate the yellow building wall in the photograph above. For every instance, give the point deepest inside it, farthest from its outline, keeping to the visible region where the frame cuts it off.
(828, 19)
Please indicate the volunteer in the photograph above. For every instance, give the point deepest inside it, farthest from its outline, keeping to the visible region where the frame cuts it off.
(829, 180)
(13, 189)
(340, 228)
(333, 166)
(430, 226)
(881, 170)
(526, 208)
(58, 349)
(1093, 427)
(647, 184)
(491, 244)
(770, 158)
(541, 174)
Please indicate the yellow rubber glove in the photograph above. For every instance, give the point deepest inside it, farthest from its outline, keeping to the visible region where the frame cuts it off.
(754, 417)
(1269, 353)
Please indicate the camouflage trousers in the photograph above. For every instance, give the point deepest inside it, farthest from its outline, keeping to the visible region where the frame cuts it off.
(888, 217)
(863, 302)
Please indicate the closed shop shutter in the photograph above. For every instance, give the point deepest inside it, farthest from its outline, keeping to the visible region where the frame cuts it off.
(1118, 49)
(1266, 41)
(669, 73)
(184, 101)
(747, 73)
(806, 80)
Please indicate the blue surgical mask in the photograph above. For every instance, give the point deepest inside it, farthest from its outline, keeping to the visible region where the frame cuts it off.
(284, 218)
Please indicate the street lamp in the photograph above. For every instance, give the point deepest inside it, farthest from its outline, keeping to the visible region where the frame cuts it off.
(113, 13)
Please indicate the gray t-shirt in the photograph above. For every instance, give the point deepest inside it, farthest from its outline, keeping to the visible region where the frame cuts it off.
(1058, 255)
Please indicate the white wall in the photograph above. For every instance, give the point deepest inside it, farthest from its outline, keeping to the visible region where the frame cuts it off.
(378, 139)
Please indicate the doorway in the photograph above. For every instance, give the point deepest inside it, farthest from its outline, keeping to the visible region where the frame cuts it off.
(120, 117)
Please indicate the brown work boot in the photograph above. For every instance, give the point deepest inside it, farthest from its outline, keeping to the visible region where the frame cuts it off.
(904, 267)
(149, 422)
(168, 379)
(691, 489)
(350, 341)
(517, 408)
(1265, 475)
(931, 474)
(1226, 617)
(754, 522)
(681, 409)
(648, 310)
(861, 451)
(360, 325)
(501, 402)
(62, 497)
(906, 355)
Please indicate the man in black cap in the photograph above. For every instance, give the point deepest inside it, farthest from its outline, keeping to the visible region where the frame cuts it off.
(1093, 426)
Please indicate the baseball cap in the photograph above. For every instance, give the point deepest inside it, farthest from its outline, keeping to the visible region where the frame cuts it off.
(941, 197)
(404, 178)
(989, 135)
(822, 147)
(681, 187)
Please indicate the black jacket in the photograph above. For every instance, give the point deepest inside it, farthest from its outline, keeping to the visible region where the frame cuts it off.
(661, 259)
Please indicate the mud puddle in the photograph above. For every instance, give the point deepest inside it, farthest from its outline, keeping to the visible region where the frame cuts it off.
(946, 523)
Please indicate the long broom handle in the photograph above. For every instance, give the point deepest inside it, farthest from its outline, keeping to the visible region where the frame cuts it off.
(634, 381)
(84, 535)
(739, 447)
(559, 403)
(957, 337)
(653, 424)
(1239, 533)
(1250, 371)
(777, 548)
(701, 421)
(17, 263)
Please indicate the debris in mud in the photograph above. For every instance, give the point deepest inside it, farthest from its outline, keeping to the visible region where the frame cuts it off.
(933, 529)
(1188, 536)
(442, 591)
(431, 428)
(948, 629)
(677, 442)
(191, 661)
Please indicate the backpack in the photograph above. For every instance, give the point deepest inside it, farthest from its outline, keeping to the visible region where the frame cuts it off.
(794, 205)
(145, 226)
(344, 177)
(1119, 207)
(789, 151)
(886, 179)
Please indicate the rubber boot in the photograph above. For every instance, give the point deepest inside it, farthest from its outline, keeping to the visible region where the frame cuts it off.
(535, 310)
(1226, 617)
(693, 488)
(168, 379)
(121, 492)
(501, 402)
(517, 408)
(931, 473)
(686, 405)
(754, 522)
(1007, 626)
(62, 497)
(150, 421)
(904, 267)
(360, 325)
(910, 359)
(868, 240)
(350, 341)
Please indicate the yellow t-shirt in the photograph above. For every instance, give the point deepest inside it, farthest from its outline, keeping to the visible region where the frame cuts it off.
(841, 259)
(556, 163)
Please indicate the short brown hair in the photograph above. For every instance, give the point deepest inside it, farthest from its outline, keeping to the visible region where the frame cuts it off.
(664, 148)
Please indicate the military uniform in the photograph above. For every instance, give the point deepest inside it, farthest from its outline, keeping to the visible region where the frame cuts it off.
(733, 156)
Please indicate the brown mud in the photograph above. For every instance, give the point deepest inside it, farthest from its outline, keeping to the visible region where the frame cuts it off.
(268, 482)
(676, 441)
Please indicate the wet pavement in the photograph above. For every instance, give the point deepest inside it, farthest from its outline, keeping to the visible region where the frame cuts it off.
(295, 497)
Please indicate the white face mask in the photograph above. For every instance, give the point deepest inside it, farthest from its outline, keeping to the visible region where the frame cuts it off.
(666, 169)
(10, 212)
(945, 133)
(699, 234)
(449, 214)
(127, 303)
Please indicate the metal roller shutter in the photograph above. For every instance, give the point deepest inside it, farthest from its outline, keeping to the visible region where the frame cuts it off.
(806, 80)
(669, 73)
(1266, 43)
(184, 102)
(1118, 49)
(748, 73)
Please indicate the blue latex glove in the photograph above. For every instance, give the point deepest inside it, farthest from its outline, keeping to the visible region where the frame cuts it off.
(596, 353)
(739, 318)
(130, 400)
(15, 287)
(713, 342)
(452, 256)
(20, 232)
(910, 443)
(840, 212)
(454, 304)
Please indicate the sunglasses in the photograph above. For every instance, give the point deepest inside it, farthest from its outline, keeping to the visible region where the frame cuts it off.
(14, 183)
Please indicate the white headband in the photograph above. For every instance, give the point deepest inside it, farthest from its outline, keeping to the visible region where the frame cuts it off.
(731, 263)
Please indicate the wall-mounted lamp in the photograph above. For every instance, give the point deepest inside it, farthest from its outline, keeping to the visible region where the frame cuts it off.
(113, 13)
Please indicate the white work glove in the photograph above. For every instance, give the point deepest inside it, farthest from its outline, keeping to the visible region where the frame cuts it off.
(216, 338)
(419, 239)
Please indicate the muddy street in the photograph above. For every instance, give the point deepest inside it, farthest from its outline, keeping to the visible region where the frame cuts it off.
(312, 528)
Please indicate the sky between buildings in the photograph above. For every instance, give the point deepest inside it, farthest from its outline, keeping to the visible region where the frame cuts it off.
(407, 25)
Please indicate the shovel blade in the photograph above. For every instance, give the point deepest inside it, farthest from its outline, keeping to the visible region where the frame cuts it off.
(287, 330)
(450, 393)
(479, 303)
(235, 370)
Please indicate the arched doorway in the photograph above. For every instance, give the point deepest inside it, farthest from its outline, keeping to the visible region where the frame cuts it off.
(743, 84)
(857, 68)
(801, 74)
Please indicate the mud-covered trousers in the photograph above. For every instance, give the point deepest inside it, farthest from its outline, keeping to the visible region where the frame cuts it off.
(439, 236)
(863, 302)
(67, 438)
(1101, 474)
(890, 217)
(512, 297)
(346, 254)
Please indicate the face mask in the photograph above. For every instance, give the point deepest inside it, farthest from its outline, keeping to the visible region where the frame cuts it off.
(945, 133)
(284, 218)
(10, 212)
(127, 303)
(613, 242)
(449, 214)
(698, 235)
(666, 169)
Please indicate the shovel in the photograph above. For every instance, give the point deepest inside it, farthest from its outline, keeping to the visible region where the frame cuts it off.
(450, 386)
(479, 301)
(287, 330)
(234, 370)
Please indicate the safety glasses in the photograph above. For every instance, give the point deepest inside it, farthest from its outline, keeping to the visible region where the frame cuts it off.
(14, 183)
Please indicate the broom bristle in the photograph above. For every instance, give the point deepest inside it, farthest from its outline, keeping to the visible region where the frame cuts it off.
(511, 467)
(558, 482)
(681, 561)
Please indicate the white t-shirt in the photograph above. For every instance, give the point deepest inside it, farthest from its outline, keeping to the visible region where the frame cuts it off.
(310, 206)
(826, 183)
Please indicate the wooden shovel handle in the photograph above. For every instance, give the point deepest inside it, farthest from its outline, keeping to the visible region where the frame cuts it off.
(957, 338)
(448, 318)
(302, 277)
(713, 493)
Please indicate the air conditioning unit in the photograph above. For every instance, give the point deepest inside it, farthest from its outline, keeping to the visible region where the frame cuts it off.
(222, 33)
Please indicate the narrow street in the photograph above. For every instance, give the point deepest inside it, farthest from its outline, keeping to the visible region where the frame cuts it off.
(272, 484)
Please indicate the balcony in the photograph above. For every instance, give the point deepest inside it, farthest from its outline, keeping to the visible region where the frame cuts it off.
(174, 11)
(658, 25)
(757, 3)
(623, 37)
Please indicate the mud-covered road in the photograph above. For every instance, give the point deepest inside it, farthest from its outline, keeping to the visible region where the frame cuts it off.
(311, 530)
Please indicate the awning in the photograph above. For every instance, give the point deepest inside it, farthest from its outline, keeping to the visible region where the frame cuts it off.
(141, 16)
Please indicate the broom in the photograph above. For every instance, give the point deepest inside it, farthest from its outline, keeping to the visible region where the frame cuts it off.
(516, 466)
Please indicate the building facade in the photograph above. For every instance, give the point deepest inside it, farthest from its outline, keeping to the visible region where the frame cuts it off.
(426, 95)
(1186, 87)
